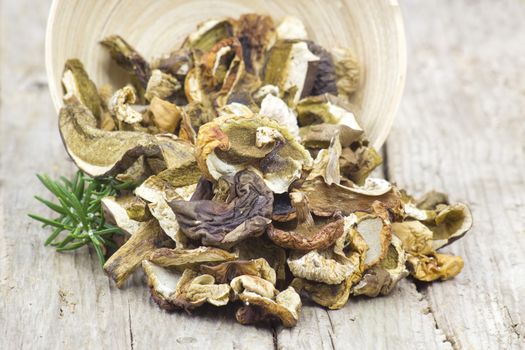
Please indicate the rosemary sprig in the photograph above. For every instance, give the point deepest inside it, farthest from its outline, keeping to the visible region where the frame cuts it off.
(80, 220)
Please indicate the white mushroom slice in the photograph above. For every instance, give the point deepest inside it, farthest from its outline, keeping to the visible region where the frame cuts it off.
(320, 267)
(275, 108)
(291, 28)
(119, 215)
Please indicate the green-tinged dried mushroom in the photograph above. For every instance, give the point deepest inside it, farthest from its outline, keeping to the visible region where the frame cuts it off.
(358, 161)
(246, 212)
(415, 236)
(128, 59)
(434, 266)
(307, 234)
(101, 153)
(257, 247)
(171, 290)
(329, 109)
(382, 278)
(291, 64)
(127, 212)
(256, 33)
(291, 28)
(184, 258)
(325, 200)
(317, 136)
(209, 33)
(225, 272)
(268, 302)
(229, 144)
(76, 82)
(161, 85)
(347, 71)
(148, 237)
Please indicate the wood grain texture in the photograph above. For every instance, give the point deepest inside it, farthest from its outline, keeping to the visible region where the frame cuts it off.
(461, 129)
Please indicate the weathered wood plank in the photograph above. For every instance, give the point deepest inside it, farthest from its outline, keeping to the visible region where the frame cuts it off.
(461, 130)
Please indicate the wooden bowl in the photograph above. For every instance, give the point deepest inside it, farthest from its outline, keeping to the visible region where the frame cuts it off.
(372, 28)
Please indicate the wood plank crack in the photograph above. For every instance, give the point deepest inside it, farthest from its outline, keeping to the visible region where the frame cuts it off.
(132, 344)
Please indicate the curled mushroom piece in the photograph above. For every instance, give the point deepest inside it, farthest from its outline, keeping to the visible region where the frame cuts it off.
(358, 161)
(244, 213)
(120, 105)
(307, 234)
(275, 108)
(229, 144)
(183, 258)
(209, 33)
(382, 278)
(76, 84)
(332, 296)
(347, 71)
(115, 213)
(161, 85)
(102, 153)
(171, 290)
(434, 266)
(264, 302)
(227, 271)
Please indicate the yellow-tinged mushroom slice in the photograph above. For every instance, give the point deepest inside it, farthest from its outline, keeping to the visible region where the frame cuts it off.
(316, 136)
(382, 278)
(161, 85)
(115, 212)
(434, 266)
(229, 144)
(290, 65)
(128, 258)
(102, 153)
(263, 301)
(225, 272)
(165, 115)
(76, 83)
(183, 258)
(332, 296)
(171, 290)
(328, 109)
(209, 33)
(358, 161)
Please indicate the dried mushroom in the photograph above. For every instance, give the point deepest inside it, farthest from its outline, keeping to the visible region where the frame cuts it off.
(244, 213)
(263, 301)
(236, 154)
(230, 144)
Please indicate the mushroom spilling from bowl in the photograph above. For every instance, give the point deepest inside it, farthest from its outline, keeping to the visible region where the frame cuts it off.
(247, 176)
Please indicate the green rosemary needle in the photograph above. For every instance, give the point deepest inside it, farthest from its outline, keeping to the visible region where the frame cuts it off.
(80, 219)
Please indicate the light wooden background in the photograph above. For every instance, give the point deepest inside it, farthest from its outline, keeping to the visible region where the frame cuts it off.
(460, 129)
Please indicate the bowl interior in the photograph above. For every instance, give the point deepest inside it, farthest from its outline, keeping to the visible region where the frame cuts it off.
(373, 29)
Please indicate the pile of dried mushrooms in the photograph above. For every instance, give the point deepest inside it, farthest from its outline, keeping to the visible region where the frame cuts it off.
(252, 175)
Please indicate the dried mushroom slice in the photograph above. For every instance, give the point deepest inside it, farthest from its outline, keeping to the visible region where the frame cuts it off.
(382, 278)
(184, 258)
(128, 59)
(229, 144)
(283, 210)
(120, 105)
(76, 83)
(321, 266)
(415, 237)
(291, 28)
(358, 161)
(286, 307)
(325, 81)
(325, 200)
(161, 85)
(376, 231)
(256, 33)
(246, 212)
(326, 164)
(290, 65)
(128, 258)
(165, 115)
(209, 33)
(268, 302)
(177, 63)
(227, 271)
(434, 266)
(115, 213)
(332, 296)
(451, 223)
(347, 71)
(259, 248)
(162, 283)
(306, 234)
(193, 290)
(274, 108)
(317, 136)
(102, 153)
(329, 109)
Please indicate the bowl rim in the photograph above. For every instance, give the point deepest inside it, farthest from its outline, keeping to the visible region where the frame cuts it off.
(393, 107)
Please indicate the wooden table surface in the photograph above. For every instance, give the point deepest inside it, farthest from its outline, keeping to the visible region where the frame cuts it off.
(460, 129)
